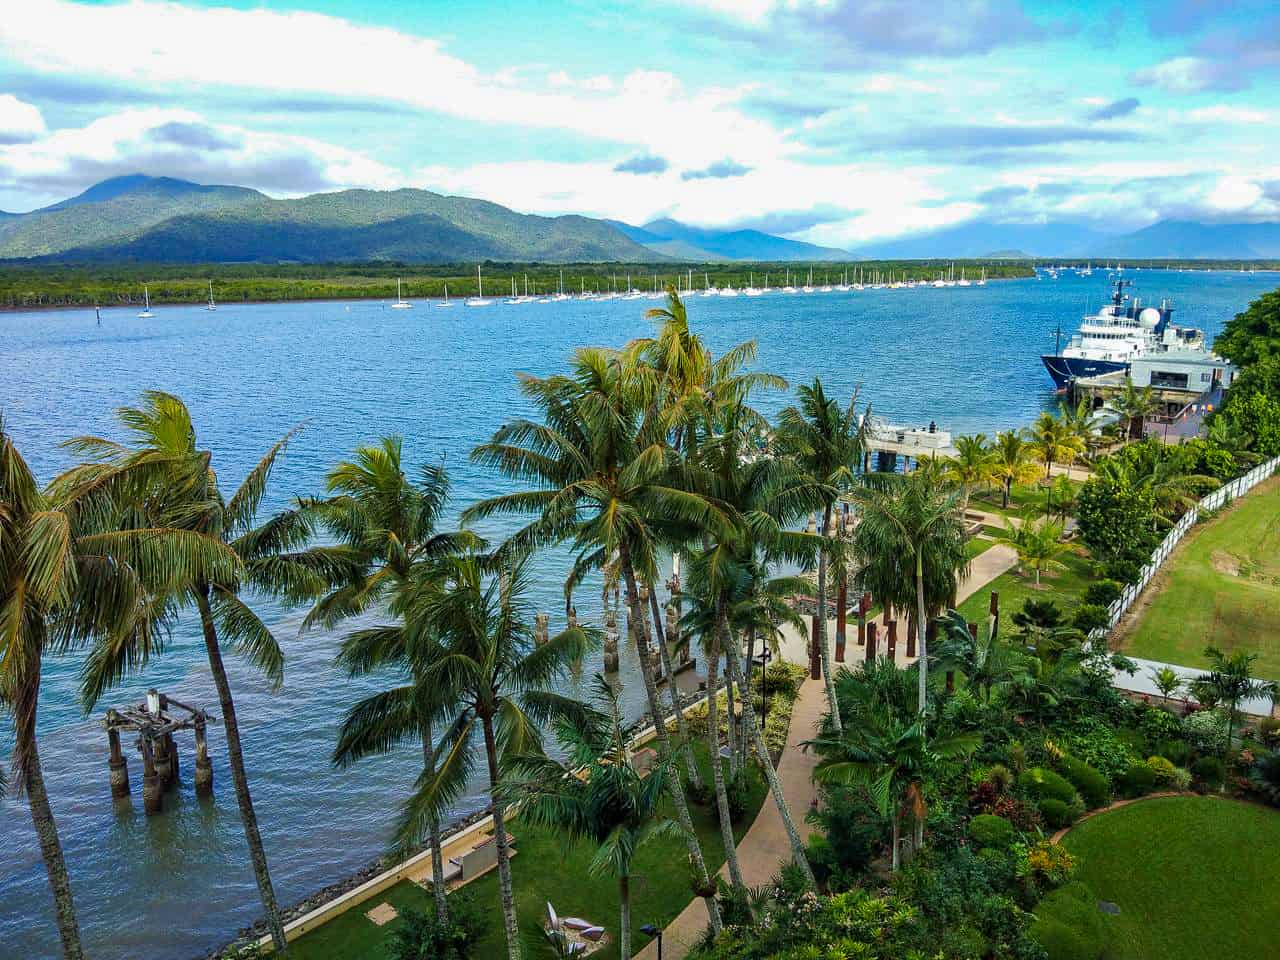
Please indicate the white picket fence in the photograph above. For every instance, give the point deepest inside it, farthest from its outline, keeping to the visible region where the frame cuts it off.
(1228, 491)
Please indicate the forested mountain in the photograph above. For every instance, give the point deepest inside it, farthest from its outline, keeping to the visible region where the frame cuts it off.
(681, 241)
(1184, 239)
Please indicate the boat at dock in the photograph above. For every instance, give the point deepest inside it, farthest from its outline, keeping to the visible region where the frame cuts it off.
(1122, 331)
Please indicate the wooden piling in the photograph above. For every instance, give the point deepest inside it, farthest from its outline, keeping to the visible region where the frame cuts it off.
(118, 766)
(891, 642)
(204, 768)
(871, 642)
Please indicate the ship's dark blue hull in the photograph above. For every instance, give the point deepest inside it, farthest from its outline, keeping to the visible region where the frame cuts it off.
(1065, 369)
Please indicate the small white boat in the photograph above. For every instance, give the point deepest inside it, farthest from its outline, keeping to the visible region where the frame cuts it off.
(211, 305)
(751, 290)
(707, 289)
(401, 303)
(479, 300)
(446, 302)
(146, 313)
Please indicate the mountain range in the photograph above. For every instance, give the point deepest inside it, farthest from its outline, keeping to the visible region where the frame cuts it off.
(161, 219)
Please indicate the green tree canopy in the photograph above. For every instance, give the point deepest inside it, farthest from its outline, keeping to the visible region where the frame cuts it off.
(1254, 334)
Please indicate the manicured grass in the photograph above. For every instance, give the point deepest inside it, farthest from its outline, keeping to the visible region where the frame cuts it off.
(1021, 497)
(1195, 878)
(1064, 587)
(543, 869)
(1221, 587)
(976, 546)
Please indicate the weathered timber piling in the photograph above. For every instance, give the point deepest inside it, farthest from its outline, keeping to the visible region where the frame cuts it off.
(156, 721)
(118, 765)
(891, 643)
(204, 768)
(871, 642)
(610, 638)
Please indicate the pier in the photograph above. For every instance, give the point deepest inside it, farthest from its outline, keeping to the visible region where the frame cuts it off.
(155, 721)
(889, 442)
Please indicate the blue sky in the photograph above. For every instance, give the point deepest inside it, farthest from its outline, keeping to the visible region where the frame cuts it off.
(835, 121)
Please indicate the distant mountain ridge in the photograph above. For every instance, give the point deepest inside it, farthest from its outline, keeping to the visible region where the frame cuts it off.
(681, 241)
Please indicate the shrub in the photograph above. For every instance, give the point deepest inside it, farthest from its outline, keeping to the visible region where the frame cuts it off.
(1269, 731)
(1069, 925)
(1123, 570)
(1210, 771)
(1103, 593)
(1092, 785)
(1181, 778)
(1048, 862)
(1206, 731)
(1137, 781)
(1175, 751)
(1089, 617)
(1161, 769)
(1042, 783)
(1058, 814)
(423, 937)
(988, 830)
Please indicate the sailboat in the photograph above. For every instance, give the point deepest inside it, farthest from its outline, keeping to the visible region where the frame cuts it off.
(707, 289)
(561, 295)
(515, 297)
(445, 302)
(808, 287)
(212, 305)
(146, 313)
(478, 301)
(401, 303)
(751, 290)
(788, 288)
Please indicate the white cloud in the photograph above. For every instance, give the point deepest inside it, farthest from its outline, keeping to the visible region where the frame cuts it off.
(19, 121)
(1180, 75)
(1226, 114)
(295, 52)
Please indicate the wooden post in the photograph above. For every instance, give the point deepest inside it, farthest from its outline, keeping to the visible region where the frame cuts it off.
(175, 773)
(871, 642)
(152, 788)
(610, 639)
(842, 617)
(160, 754)
(993, 608)
(204, 769)
(891, 644)
(864, 607)
(118, 765)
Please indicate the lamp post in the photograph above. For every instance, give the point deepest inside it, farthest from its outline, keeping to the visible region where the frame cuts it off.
(649, 930)
(764, 658)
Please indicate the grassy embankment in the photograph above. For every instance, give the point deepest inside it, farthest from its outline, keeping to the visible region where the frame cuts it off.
(1220, 587)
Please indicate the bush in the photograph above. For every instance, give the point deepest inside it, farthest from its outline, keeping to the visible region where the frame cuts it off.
(1069, 925)
(1162, 770)
(1103, 593)
(988, 830)
(1137, 781)
(1210, 771)
(1269, 731)
(1056, 813)
(1092, 785)
(1042, 783)
(423, 937)
(1175, 751)
(1206, 731)
(1123, 570)
(1089, 617)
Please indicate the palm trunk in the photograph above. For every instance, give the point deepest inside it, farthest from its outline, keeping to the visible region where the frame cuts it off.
(697, 862)
(437, 852)
(624, 927)
(731, 720)
(717, 768)
(747, 695)
(824, 652)
(682, 725)
(257, 855)
(922, 652)
(31, 777)
(895, 860)
(1008, 484)
(770, 774)
(500, 838)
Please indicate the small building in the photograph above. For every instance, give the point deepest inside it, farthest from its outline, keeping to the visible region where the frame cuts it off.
(1189, 371)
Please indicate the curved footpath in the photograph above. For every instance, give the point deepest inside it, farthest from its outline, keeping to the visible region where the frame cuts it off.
(765, 848)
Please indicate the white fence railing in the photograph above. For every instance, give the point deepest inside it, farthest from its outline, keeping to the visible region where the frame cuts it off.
(1228, 491)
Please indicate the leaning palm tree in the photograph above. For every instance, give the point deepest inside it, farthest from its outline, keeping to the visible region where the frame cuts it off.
(1231, 680)
(600, 470)
(65, 581)
(490, 678)
(390, 524)
(890, 758)
(596, 796)
(971, 466)
(1038, 544)
(164, 479)
(1012, 462)
(827, 442)
(911, 534)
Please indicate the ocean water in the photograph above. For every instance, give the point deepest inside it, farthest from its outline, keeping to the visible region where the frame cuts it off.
(176, 885)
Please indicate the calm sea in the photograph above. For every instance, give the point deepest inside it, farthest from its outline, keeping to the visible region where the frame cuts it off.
(176, 885)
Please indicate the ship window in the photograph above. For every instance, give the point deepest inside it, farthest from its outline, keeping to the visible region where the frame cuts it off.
(1165, 378)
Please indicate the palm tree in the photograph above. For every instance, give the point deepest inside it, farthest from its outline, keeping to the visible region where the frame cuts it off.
(1038, 544)
(1168, 681)
(1012, 461)
(389, 523)
(600, 472)
(986, 661)
(596, 796)
(827, 443)
(488, 674)
(973, 464)
(1231, 680)
(911, 534)
(1133, 405)
(890, 758)
(1054, 442)
(1078, 421)
(1155, 471)
(167, 480)
(65, 582)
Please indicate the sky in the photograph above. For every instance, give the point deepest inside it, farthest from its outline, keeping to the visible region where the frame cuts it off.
(839, 122)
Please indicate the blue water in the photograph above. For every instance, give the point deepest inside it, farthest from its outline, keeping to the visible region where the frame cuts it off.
(179, 884)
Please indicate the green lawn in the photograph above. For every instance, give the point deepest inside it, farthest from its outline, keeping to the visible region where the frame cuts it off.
(1195, 878)
(1021, 497)
(976, 545)
(1062, 586)
(1221, 587)
(544, 870)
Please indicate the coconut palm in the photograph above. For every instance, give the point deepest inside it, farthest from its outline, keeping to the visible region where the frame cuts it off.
(1168, 681)
(827, 443)
(599, 469)
(488, 677)
(1133, 405)
(1012, 461)
(987, 662)
(1231, 680)
(390, 524)
(164, 479)
(596, 796)
(1078, 421)
(1038, 544)
(890, 758)
(1054, 442)
(65, 581)
(910, 538)
(972, 465)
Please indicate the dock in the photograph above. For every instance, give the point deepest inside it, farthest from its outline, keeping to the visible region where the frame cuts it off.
(889, 442)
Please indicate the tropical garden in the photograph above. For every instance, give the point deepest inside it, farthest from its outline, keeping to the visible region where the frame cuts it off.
(940, 782)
